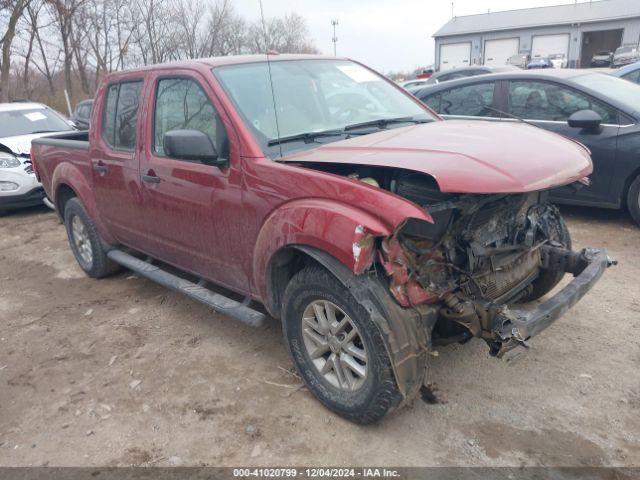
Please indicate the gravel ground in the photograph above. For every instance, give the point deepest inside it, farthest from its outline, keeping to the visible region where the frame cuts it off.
(123, 372)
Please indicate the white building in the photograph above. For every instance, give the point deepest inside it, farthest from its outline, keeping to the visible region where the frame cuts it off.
(576, 30)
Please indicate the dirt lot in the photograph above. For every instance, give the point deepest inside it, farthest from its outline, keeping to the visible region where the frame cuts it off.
(122, 371)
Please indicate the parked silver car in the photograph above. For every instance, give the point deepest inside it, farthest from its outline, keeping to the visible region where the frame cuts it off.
(625, 55)
(519, 60)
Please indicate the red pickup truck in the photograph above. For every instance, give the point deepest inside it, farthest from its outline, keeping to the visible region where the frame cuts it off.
(314, 190)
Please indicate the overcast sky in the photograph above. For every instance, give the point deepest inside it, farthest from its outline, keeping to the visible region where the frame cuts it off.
(387, 35)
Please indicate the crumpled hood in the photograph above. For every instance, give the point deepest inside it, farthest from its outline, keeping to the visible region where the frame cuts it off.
(21, 144)
(466, 156)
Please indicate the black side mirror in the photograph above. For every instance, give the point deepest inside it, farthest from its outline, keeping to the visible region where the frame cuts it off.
(585, 119)
(191, 145)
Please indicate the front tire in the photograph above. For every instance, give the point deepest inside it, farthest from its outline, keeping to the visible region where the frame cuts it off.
(85, 242)
(336, 347)
(633, 200)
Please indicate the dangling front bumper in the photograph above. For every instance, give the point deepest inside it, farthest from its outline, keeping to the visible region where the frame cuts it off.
(512, 327)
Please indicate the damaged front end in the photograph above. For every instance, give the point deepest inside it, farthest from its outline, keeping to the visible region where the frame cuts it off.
(481, 260)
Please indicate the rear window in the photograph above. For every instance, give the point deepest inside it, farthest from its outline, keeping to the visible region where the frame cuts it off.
(120, 116)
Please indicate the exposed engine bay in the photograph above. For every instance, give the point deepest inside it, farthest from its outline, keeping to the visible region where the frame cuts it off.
(487, 246)
(481, 253)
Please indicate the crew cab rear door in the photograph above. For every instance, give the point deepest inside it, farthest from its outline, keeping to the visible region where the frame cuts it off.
(114, 159)
(193, 211)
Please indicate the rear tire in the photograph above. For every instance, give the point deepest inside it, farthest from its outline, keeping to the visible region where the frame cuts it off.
(347, 368)
(85, 242)
(633, 200)
(548, 279)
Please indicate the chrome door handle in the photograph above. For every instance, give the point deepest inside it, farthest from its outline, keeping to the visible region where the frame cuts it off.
(150, 179)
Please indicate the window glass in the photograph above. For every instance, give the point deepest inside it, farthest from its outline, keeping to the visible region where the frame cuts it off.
(127, 115)
(182, 104)
(433, 102)
(84, 111)
(311, 96)
(470, 100)
(610, 87)
(109, 115)
(120, 115)
(548, 101)
(633, 76)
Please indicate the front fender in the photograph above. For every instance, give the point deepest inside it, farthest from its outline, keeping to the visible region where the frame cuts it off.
(344, 232)
(68, 174)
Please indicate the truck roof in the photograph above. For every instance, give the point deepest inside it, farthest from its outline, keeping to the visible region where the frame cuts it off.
(228, 60)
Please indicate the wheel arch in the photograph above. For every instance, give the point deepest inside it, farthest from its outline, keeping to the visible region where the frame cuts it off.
(345, 232)
(64, 192)
(68, 178)
(627, 186)
(284, 264)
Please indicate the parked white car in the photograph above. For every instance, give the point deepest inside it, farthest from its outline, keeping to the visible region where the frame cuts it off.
(558, 60)
(20, 123)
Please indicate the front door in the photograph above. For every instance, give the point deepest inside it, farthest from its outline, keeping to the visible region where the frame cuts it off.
(193, 210)
(549, 105)
(114, 161)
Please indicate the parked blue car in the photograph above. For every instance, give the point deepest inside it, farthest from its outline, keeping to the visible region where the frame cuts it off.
(542, 62)
(629, 72)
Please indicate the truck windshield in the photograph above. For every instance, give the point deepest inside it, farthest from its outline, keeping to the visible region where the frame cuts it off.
(313, 97)
(30, 121)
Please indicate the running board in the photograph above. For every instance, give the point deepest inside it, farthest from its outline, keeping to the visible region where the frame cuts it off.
(220, 303)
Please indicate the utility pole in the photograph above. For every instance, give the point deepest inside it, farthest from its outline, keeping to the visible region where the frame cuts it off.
(334, 24)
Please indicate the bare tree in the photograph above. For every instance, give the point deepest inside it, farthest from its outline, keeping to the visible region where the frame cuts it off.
(190, 20)
(79, 36)
(295, 35)
(63, 12)
(71, 44)
(14, 8)
(284, 35)
(154, 33)
(43, 64)
(226, 30)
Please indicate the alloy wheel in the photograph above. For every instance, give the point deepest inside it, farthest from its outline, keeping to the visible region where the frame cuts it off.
(81, 240)
(334, 345)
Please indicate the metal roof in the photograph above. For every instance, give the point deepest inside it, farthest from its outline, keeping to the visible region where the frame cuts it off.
(573, 13)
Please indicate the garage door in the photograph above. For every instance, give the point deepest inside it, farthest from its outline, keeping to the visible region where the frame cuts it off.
(455, 55)
(497, 52)
(545, 45)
